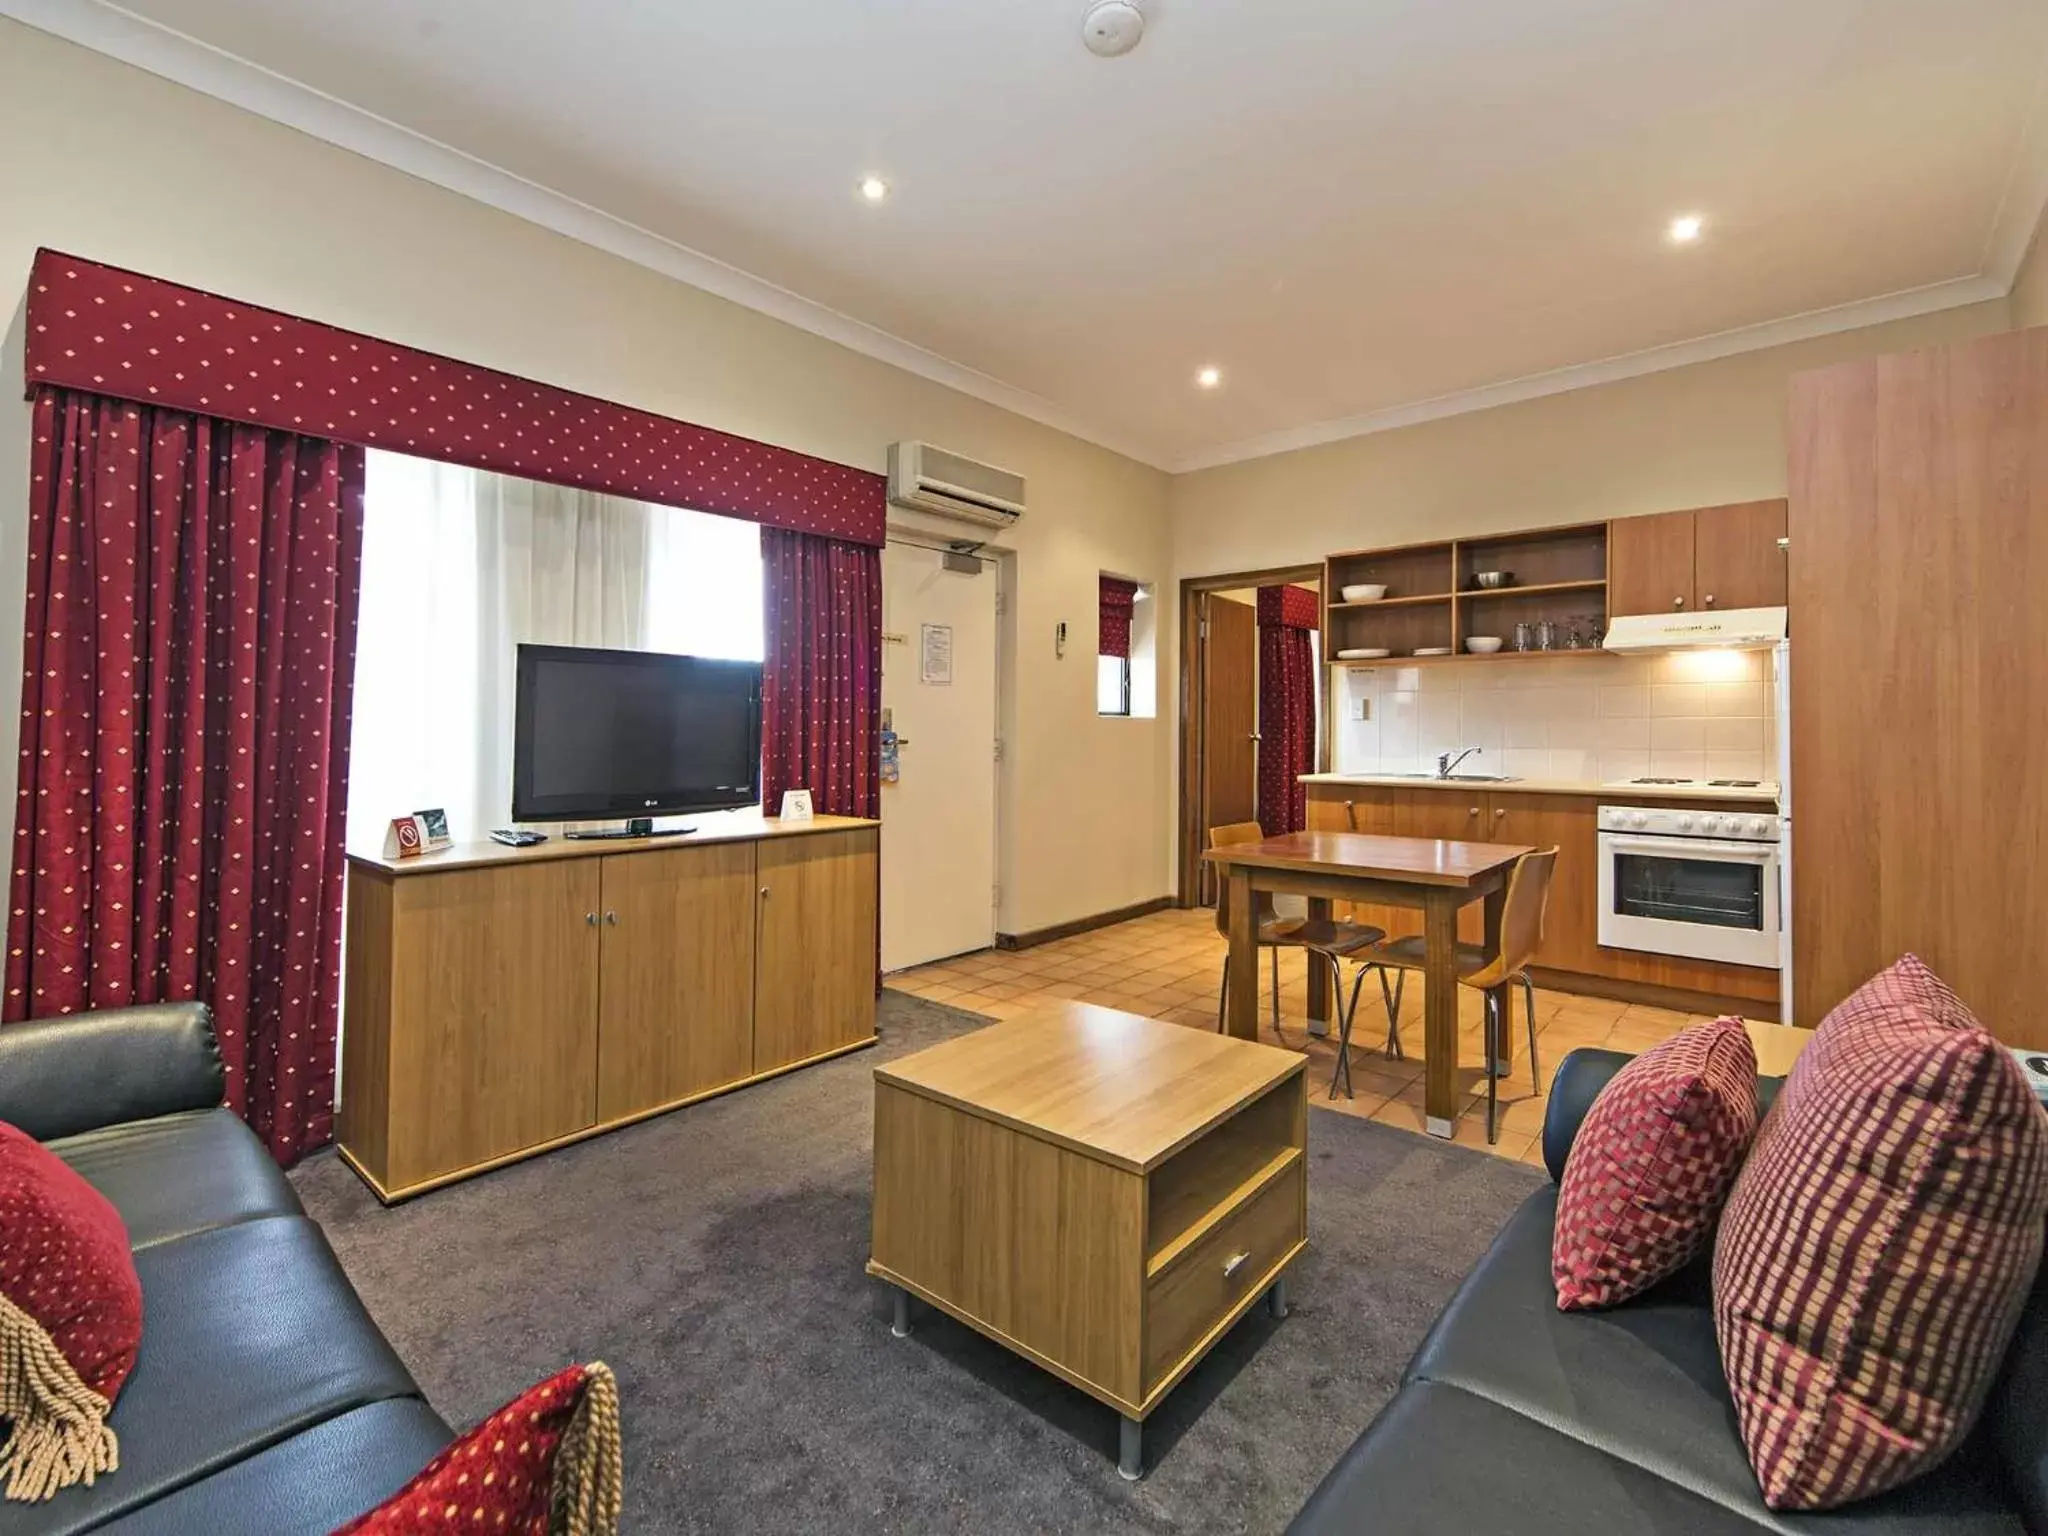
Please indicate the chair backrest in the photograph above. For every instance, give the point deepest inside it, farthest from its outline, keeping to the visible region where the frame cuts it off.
(1522, 914)
(1223, 837)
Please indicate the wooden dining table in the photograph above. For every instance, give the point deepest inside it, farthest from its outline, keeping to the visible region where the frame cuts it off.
(1437, 876)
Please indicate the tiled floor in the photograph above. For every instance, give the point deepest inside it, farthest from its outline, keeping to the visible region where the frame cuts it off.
(1170, 964)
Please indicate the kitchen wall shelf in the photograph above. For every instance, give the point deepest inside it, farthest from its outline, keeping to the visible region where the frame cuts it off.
(1475, 656)
(1560, 574)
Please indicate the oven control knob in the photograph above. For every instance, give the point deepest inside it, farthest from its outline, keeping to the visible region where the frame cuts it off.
(1721, 824)
(1759, 825)
(1638, 819)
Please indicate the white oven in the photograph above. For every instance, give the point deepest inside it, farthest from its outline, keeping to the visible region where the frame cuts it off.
(1702, 884)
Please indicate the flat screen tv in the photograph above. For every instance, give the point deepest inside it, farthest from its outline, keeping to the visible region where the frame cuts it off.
(600, 734)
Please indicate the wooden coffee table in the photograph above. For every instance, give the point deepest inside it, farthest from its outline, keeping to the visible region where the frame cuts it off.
(1102, 1193)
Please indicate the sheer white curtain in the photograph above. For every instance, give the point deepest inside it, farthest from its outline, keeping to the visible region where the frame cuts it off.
(459, 568)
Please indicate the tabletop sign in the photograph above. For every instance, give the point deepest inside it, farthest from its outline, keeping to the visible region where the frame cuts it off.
(422, 832)
(796, 805)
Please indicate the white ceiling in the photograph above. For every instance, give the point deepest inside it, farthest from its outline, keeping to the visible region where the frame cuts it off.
(1365, 211)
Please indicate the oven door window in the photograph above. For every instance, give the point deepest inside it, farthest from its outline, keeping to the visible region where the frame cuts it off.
(1716, 893)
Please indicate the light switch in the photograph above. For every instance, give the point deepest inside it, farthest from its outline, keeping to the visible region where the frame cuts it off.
(1361, 708)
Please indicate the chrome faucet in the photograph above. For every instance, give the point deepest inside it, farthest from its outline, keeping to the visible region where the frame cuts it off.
(1445, 763)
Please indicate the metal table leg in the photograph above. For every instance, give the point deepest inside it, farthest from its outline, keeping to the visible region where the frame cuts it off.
(1130, 1465)
(900, 1325)
(1276, 1298)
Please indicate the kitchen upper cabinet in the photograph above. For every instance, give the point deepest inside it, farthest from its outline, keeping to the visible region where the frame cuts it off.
(1737, 561)
(1709, 558)
(1649, 563)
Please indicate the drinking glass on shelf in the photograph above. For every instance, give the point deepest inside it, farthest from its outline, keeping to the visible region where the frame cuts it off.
(1523, 637)
(1574, 637)
(1546, 635)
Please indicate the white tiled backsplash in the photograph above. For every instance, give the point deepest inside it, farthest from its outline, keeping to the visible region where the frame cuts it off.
(1593, 719)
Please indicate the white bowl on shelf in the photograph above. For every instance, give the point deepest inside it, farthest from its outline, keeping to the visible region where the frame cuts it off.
(1364, 592)
(1482, 645)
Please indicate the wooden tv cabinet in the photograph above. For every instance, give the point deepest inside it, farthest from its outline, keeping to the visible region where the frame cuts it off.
(501, 1002)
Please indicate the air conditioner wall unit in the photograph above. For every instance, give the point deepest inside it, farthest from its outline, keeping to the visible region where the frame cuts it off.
(941, 484)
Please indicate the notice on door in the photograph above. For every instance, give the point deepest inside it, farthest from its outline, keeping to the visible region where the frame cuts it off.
(935, 654)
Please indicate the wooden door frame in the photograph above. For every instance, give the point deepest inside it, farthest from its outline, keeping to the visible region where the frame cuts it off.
(1193, 683)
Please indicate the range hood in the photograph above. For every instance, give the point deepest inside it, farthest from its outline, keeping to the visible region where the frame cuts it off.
(1705, 630)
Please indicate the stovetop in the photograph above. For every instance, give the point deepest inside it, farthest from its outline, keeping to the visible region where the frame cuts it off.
(1648, 783)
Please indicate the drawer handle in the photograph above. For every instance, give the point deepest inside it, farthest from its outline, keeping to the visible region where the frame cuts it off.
(1234, 1263)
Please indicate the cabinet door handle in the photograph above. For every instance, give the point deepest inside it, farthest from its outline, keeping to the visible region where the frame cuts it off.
(1678, 602)
(1498, 812)
(1710, 600)
(764, 893)
(1234, 1263)
(612, 918)
(590, 918)
(1473, 812)
(1351, 814)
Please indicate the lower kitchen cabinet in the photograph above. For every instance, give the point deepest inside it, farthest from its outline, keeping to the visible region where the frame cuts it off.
(1571, 945)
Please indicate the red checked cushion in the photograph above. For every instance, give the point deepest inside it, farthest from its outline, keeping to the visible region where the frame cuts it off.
(64, 1260)
(545, 1463)
(1652, 1164)
(1879, 1244)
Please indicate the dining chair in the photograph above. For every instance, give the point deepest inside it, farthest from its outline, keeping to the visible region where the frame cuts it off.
(1333, 938)
(1521, 932)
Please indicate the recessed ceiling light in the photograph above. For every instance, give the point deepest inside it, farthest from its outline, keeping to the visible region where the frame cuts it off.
(1209, 378)
(873, 188)
(1685, 228)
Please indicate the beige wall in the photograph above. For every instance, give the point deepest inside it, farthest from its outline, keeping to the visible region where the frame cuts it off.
(2030, 290)
(123, 167)
(1697, 436)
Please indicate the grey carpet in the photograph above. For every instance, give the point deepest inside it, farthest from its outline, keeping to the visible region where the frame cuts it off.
(713, 1257)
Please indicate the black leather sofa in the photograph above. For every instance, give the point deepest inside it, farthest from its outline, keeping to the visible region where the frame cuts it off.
(1516, 1418)
(264, 1401)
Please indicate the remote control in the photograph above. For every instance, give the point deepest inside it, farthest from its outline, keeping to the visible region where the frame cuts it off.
(518, 837)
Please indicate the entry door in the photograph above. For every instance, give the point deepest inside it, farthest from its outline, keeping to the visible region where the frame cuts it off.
(939, 817)
(1230, 718)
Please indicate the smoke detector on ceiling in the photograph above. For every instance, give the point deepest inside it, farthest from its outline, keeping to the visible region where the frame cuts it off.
(1112, 27)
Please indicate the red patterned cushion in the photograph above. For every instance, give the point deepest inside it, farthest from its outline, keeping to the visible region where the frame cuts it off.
(1879, 1244)
(545, 1463)
(70, 1320)
(1652, 1164)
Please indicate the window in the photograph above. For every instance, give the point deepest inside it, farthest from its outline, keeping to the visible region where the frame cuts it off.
(1116, 600)
(459, 567)
(1112, 685)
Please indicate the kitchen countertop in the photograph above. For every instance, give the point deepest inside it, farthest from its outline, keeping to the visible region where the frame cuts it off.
(1766, 794)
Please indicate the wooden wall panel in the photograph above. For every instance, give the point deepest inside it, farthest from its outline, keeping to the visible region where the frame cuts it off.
(1919, 529)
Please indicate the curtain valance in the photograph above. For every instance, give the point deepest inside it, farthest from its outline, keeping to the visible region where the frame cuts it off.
(1287, 607)
(117, 333)
(1113, 625)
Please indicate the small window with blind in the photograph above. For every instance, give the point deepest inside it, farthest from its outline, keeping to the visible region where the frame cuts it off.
(1119, 600)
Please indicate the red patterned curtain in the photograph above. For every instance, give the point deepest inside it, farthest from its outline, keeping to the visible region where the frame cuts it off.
(1287, 706)
(821, 688)
(190, 650)
(1113, 627)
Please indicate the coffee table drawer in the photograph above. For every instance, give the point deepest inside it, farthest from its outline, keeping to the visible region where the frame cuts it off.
(1184, 1302)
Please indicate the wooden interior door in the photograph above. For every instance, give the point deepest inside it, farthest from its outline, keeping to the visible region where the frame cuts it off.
(1230, 715)
(495, 975)
(676, 1015)
(1649, 563)
(1570, 824)
(1919, 496)
(1736, 559)
(815, 948)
